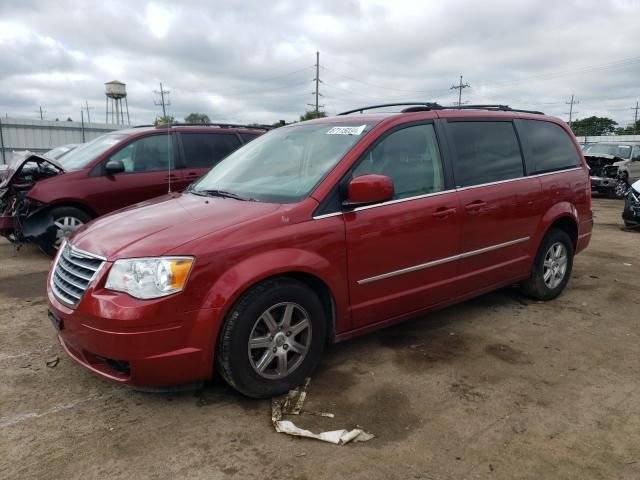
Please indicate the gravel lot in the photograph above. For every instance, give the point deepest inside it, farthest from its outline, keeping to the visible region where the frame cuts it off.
(498, 387)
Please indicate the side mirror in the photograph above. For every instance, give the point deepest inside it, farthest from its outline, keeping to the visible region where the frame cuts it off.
(368, 189)
(114, 166)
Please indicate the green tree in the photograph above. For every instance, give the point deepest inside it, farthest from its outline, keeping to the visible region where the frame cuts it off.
(197, 118)
(592, 126)
(311, 114)
(164, 120)
(633, 129)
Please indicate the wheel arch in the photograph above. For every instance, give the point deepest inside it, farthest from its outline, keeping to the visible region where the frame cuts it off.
(310, 269)
(562, 215)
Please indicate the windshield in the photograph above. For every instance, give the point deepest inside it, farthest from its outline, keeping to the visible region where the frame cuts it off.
(284, 165)
(58, 152)
(615, 149)
(86, 152)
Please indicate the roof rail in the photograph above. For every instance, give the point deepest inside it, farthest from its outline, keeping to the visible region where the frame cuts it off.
(429, 105)
(218, 125)
(142, 126)
(426, 106)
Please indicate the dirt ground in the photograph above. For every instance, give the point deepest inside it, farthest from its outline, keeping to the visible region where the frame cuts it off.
(498, 387)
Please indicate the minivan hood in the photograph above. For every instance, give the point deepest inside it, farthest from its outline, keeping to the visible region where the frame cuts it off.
(16, 165)
(154, 227)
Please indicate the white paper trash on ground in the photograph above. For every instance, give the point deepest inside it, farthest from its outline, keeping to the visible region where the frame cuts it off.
(292, 405)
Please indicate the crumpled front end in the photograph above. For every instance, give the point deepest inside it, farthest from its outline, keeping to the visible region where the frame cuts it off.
(631, 212)
(22, 218)
(604, 171)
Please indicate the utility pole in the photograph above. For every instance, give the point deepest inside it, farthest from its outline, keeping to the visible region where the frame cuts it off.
(316, 106)
(635, 119)
(459, 87)
(571, 103)
(42, 112)
(82, 124)
(163, 102)
(88, 108)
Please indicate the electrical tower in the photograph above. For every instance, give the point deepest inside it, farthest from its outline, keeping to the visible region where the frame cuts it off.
(459, 87)
(316, 106)
(164, 102)
(571, 103)
(635, 119)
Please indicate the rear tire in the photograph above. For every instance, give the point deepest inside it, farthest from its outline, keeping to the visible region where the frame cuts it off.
(552, 266)
(66, 220)
(272, 338)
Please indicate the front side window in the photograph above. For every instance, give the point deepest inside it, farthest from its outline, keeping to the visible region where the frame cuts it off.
(552, 149)
(204, 150)
(284, 165)
(486, 152)
(410, 157)
(147, 154)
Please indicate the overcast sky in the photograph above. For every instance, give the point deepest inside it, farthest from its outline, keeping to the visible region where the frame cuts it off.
(253, 61)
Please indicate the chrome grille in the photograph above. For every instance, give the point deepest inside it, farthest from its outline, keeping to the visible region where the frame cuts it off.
(73, 272)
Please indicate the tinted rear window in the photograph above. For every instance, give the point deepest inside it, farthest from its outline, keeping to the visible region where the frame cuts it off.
(204, 150)
(247, 137)
(486, 152)
(552, 149)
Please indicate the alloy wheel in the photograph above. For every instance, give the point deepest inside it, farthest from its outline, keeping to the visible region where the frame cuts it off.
(65, 226)
(555, 265)
(280, 340)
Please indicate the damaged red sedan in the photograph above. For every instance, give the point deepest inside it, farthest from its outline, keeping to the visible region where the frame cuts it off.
(318, 232)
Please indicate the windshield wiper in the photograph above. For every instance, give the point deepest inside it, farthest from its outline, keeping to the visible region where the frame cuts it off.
(219, 193)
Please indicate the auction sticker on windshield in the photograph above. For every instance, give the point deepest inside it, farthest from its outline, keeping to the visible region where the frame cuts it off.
(347, 130)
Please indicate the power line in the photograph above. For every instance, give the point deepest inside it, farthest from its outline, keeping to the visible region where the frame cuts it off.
(459, 87)
(380, 86)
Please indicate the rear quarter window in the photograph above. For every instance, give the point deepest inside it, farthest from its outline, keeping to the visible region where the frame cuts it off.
(551, 147)
(485, 152)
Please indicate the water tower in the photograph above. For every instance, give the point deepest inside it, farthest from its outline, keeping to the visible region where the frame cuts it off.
(116, 92)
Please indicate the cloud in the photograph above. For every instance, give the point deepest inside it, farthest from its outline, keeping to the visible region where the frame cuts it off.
(253, 60)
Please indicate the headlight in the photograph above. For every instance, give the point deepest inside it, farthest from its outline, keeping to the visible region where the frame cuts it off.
(146, 278)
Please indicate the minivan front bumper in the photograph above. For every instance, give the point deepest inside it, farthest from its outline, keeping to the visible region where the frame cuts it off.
(136, 343)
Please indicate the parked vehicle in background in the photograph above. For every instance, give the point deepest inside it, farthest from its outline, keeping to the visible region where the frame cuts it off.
(631, 212)
(614, 166)
(43, 200)
(321, 231)
(60, 151)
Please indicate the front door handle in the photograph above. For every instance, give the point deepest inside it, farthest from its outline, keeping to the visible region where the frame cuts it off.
(477, 205)
(444, 212)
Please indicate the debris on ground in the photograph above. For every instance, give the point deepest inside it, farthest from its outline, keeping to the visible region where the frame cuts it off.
(292, 404)
(53, 362)
(519, 428)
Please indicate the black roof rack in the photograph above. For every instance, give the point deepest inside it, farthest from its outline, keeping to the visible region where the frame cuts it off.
(426, 106)
(218, 125)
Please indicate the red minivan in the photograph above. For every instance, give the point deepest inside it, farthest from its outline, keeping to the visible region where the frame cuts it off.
(44, 201)
(317, 232)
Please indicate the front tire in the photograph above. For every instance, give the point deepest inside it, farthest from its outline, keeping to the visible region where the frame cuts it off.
(66, 221)
(272, 338)
(552, 266)
(620, 188)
